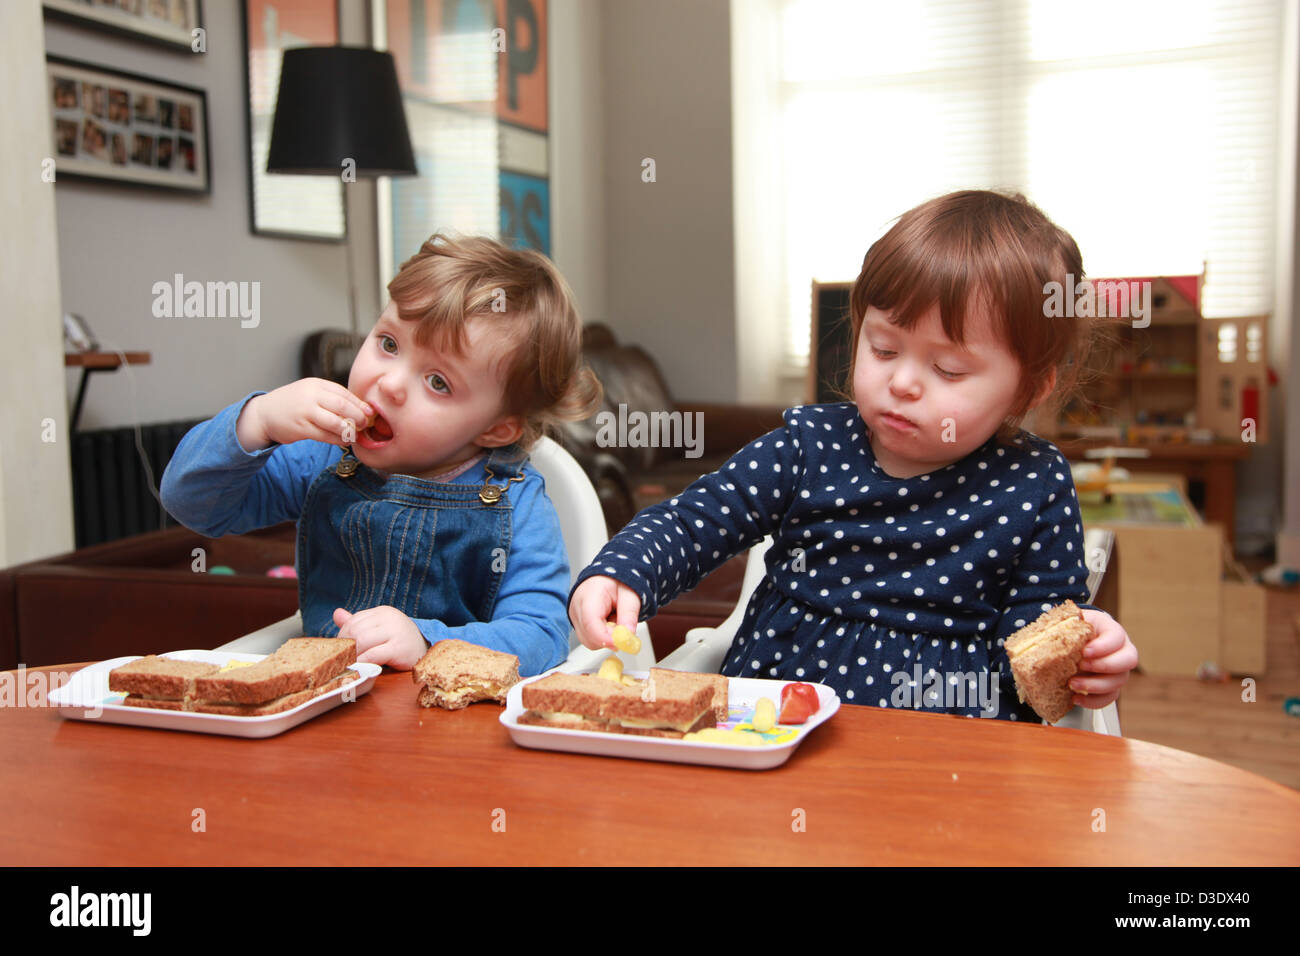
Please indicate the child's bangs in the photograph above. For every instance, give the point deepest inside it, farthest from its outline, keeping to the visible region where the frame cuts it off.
(440, 304)
(908, 281)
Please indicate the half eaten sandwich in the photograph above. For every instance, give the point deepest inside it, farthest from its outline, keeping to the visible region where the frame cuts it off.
(454, 674)
(680, 703)
(1044, 656)
(301, 669)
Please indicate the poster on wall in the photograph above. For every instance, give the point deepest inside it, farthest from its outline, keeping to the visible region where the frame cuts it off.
(474, 81)
(127, 128)
(300, 207)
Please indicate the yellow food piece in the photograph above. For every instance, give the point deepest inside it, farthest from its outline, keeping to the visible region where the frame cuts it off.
(717, 735)
(232, 665)
(611, 669)
(764, 715)
(631, 681)
(625, 640)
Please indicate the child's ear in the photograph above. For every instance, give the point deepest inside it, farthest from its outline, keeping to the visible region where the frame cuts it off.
(507, 431)
(1041, 395)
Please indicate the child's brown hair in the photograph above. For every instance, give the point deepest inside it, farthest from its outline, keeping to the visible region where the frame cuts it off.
(451, 280)
(1000, 250)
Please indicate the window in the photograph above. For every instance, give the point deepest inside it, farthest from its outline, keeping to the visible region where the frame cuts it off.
(1146, 128)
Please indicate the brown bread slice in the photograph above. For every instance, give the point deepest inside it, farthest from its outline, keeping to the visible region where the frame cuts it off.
(279, 704)
(155, 703)
(158, 677)
(718, 683)
(300, 663)
(1044, 655)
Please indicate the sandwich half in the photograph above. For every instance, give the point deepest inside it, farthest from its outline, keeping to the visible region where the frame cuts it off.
(159, 682)
(301, 669)
(454, 674)
(681, 703)
(1044, 655)
(717, 683)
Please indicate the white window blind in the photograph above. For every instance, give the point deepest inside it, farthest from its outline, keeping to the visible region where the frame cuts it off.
(1146, 128)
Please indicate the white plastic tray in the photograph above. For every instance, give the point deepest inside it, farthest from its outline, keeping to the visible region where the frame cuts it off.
(87, 697)
(744, 693)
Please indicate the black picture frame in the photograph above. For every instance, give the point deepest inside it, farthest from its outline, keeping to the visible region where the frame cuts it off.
(168, 23)
(318, 198)
(110, 125)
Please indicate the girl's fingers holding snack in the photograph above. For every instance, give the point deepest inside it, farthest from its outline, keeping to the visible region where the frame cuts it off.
(334, 428)
(1095, 701)
(1120, 662)
(1098, 685)
(1109, 638)
(345, 404)
(589, 609)
(629, 607)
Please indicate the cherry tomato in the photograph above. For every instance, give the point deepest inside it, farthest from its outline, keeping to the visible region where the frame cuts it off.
(798, 703)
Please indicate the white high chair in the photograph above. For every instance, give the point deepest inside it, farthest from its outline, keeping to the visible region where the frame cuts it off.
(706, 647)
(582, 523)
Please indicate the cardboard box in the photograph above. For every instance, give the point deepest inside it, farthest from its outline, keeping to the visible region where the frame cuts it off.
(1176, 606)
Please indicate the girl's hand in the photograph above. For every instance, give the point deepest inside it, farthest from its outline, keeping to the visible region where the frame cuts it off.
(384, 635)
(593, 602)
(308, 408)
(1107, 660)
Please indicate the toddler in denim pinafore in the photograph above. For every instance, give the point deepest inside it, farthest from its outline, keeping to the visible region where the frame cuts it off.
(434, 525)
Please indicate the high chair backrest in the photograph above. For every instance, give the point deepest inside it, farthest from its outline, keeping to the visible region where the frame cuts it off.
(582, 522)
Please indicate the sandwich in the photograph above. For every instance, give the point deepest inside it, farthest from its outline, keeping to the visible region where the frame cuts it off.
(159, 682)
(681, 703)
(717, 682)
(301, 669)
(454, 674)
(1044, 656)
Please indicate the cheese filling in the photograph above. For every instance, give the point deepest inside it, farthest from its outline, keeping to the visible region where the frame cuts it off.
(472, 687)
(1036, 640)
(561, 717)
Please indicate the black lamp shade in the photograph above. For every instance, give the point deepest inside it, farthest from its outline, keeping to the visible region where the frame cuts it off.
(337, 103)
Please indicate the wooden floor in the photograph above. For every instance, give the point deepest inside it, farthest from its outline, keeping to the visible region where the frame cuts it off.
(1211, 719)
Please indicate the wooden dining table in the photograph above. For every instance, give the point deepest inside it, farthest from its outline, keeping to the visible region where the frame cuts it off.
(384, 781)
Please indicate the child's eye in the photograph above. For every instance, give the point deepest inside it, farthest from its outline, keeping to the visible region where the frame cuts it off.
(383, 343)
(951, 376)
(438, 384)
(881, 353)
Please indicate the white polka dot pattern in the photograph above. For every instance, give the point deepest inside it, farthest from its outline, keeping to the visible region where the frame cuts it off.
(869, 571)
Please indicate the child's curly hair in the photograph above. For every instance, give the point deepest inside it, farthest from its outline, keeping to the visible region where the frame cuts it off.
(451, 280)
(1003, 250)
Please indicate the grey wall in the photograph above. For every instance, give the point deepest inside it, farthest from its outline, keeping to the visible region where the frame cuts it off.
(671, 287)
(116, 242)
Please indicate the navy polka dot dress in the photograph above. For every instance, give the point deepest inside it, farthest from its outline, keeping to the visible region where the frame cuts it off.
(895, 592)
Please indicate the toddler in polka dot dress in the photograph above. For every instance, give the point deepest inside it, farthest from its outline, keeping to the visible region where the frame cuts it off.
(918, 526)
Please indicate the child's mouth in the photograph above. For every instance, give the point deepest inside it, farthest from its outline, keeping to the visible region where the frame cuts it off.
(898, 422)
(379, 433)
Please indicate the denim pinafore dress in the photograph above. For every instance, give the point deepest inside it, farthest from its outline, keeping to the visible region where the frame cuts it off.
(429, 549)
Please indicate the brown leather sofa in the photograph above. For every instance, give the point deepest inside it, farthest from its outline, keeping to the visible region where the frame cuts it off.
(142, 595)
(630, 476)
